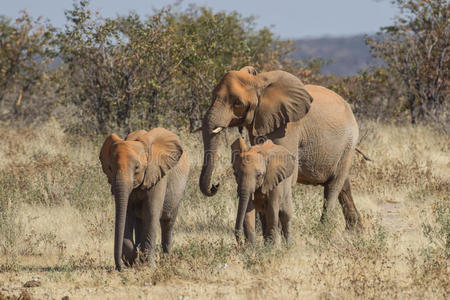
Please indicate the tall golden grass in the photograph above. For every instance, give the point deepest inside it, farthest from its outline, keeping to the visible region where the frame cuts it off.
(57, 218)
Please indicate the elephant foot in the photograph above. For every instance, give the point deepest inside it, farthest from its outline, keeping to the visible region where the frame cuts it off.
(354, 224)
(118, 268)
(250, 237)
(238, 236)
(352, 220)
(289, 242)
(326, 220)
(129, 253)
(273, 240)
(147, 258)
(148, 262)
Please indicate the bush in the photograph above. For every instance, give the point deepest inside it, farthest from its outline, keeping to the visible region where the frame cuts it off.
(372, 94)
(127, 73)
(415, 50)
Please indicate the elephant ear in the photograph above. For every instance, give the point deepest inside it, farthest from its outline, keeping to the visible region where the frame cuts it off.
(133, 136)
(283, 99)
(250, 70)
(105, 155)
(164, 152)
(280, 164)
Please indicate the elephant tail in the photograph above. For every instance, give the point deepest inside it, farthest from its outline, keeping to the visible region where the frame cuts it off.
(363, 155)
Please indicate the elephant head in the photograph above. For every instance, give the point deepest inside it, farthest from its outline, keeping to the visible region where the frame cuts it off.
(262, 102)
(262, 167)
(139, 161)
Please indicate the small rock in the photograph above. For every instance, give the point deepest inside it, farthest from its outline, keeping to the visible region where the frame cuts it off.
(65, 298)
(32, 283)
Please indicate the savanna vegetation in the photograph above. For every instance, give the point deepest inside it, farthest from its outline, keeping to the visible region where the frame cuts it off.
(63, 89)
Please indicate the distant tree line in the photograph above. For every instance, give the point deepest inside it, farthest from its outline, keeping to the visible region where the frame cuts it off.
(102, 74)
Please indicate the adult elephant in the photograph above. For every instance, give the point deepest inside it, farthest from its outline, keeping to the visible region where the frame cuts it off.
(147, 172)
(313, 123)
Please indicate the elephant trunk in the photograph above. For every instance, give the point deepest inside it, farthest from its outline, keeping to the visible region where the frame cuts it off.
(244, 197)
(210, 132)
(122, 189)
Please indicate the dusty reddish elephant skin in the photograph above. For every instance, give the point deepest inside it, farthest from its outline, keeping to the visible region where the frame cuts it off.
(147, 172)
(315, 124)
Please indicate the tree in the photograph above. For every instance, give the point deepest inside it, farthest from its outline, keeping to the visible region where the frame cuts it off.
(25, 52)
(118, 67)
(416, 52)
(127, 72)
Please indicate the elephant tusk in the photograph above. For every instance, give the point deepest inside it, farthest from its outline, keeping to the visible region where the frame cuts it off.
(217, 130)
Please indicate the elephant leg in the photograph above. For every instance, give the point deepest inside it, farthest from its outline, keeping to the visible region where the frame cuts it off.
(334, 186)
(148, 245)
(262, 218)
(285, 219)
(166, 231)
(331, 193)
(351, 214)
(249, 222)
(272, 219)
(129, 252)
(138, 229)
(152, 209)
(128, 249)
(176, 184)
(138, 233)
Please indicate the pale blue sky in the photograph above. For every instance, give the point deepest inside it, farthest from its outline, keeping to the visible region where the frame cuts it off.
(290, 18)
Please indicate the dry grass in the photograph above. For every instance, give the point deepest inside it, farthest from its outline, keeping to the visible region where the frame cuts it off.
(57, 224)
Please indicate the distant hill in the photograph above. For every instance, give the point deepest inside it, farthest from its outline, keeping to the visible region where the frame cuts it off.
(348, 54)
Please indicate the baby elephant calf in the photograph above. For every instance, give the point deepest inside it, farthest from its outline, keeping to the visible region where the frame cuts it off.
(264, 172)
(147, 172)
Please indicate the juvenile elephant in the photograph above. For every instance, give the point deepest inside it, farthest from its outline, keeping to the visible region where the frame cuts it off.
(312, 122)
(264, 171)
(147, 172)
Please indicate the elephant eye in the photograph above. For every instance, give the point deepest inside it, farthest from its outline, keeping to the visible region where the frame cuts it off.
(237, 103)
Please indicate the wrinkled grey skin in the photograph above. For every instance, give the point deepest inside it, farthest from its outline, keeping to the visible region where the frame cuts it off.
(148, 173)
(315, 124)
